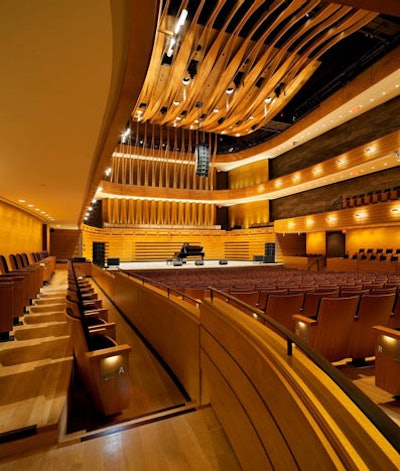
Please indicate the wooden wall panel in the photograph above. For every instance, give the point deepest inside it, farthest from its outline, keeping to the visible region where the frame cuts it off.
(249, 175)
(19, 231)
(159, 244)
(66, 243)
(371, 215)
(330, 197)
(249, 214)
(291, 244)
(123, 211)
(373, 237)
(316, 243)
(154, 314)
(380, 121)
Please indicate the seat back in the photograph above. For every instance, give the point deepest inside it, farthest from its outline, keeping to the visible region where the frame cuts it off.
(250, 297)
(373, 309)
(312, 301)
(265, 293)
(282, 307)
(335, 318)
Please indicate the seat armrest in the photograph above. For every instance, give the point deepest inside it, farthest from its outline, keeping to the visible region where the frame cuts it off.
(387, 331)
(108, 352)
(305, 319)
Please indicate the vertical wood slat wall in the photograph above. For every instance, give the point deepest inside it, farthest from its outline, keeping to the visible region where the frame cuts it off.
(160, 244)
(173, 162)
(124, 211)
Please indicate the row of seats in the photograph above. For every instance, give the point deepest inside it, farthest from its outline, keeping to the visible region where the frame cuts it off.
(102, 363)
(258, 276)
(337, 325)
(372, 197)
(377, 254)
(342, 326)
(21, 280)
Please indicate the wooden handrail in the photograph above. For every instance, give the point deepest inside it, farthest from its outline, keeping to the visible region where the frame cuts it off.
(374, 413)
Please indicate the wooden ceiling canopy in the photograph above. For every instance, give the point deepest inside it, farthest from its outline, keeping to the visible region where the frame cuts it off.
(234, 65)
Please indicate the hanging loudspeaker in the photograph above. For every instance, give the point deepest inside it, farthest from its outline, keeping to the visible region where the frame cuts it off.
(202, 155)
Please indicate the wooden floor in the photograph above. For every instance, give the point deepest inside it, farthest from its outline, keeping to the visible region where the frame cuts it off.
(161, 430)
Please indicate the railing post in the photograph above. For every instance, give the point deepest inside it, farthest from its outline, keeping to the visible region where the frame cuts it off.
(289, 347)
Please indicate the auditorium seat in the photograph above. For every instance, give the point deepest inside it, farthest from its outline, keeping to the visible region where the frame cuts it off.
(103, 366)
(330, 333)
(353, 292)
(312, 301)
(265, 293)
(6, 309)
(89, 311)
(373, 309)
(250, 297)
(282, 307)
(387, 359)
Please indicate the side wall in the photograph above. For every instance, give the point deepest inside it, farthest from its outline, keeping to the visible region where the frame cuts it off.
(19, 231)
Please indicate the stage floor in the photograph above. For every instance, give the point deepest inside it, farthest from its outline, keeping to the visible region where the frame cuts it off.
(189, 264)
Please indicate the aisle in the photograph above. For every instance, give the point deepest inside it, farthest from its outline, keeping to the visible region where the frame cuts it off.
(152, 390)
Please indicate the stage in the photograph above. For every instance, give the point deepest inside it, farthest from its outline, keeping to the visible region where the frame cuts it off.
(190, 264)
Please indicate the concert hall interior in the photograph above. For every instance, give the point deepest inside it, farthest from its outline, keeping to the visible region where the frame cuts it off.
(200, 234)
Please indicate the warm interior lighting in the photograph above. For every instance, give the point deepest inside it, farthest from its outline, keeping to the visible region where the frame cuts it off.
(389, 340)
(181, 21)
(170, 51)
(112, 367)
(296, 177)
(317, 170)
(301, 330)
(331, 219)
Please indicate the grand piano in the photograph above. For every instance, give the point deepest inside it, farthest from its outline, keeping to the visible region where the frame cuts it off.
(188, 250)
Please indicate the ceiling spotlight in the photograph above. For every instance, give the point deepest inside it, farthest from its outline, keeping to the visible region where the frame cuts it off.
(186, 81)
(268, 99)
(230, 90)
(181, 21)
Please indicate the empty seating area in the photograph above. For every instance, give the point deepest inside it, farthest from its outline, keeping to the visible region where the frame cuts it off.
(372, 197)
(253, 284)
(333, 312)
(21, 279)
(35, 356)
(381, 254)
